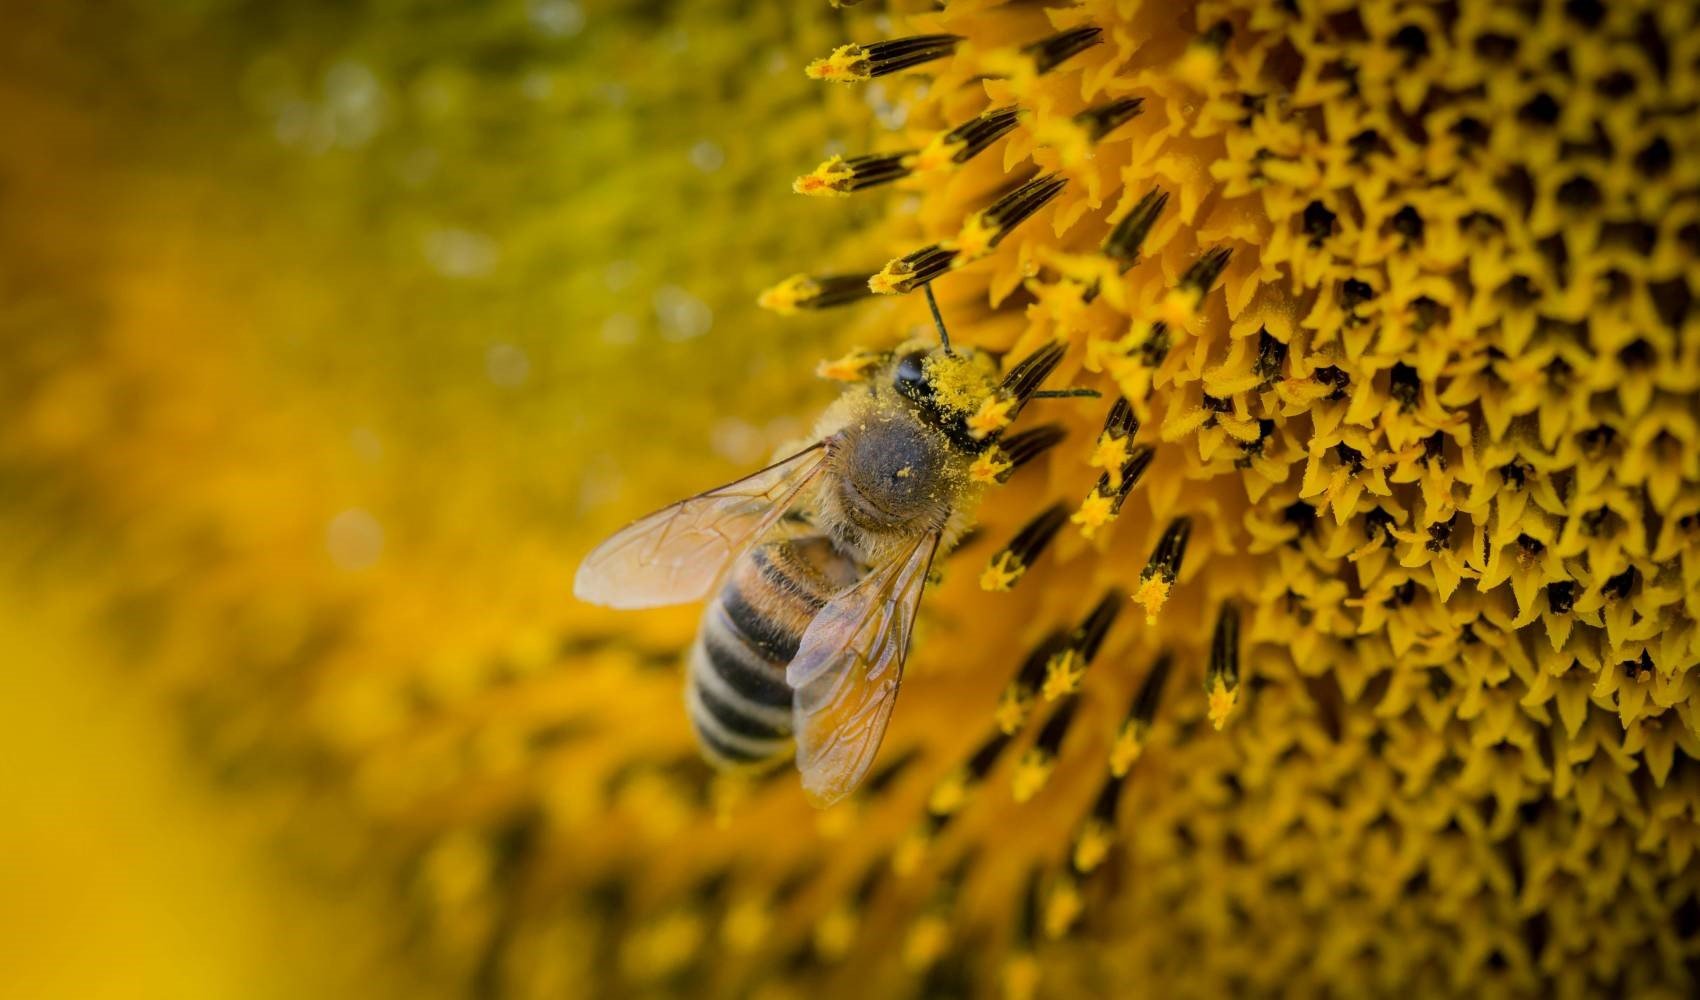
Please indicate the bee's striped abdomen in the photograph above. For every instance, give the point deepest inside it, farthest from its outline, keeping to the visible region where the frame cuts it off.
(740, 705)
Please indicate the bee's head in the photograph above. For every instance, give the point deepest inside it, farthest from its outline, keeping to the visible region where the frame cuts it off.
(943, 387)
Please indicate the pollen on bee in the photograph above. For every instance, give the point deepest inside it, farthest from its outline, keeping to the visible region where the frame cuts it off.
(803, 291)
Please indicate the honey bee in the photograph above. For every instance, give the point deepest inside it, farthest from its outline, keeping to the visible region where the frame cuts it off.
(814, 566)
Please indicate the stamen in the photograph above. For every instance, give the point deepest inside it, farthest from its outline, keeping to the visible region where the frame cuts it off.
(985, 229)
(1067, 668)
(839, 176)
(1100, 120)
(1049, 53)
(1031, 372)
(911, 271)
(1098, 833)
(1010, 564)
(1123, 243)
(1035, 767)
(803, 291)
(1205, 270)
(855, 62)
(1222, 679)
(968, 140)
(1030, 444)
(1163, 567)
(1016, 702)
(1136, 728)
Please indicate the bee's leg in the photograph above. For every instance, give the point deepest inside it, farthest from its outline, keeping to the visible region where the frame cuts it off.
(938, 318)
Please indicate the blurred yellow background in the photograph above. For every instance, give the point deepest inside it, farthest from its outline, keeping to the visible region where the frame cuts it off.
(332, 334)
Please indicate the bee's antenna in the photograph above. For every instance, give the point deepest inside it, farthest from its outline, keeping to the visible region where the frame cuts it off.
(938, 319)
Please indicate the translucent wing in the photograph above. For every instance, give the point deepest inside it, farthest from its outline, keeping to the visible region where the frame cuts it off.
(674, 555)
(847, 670)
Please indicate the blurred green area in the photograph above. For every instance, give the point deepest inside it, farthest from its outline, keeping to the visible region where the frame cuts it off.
(333, 332)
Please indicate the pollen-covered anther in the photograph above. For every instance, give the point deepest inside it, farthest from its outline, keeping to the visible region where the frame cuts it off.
(855, 62)
(1033, 770)
(1222, 678)
(1019, 449)
(1066, 668)
(1163, 567)
(994, 415)
(1016, 702)
(852, 367)
(839, 176)
(1202, 60)
(912, 270)
(1098, 833)
(1010, 563)
(985, 229)
(1130, 740)
(803, 291)
(990, 466)
(966, 141)
(1181, 304)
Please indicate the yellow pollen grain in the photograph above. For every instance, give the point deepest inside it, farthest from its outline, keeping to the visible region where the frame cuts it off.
(785, 297)
(1013, 707)
(1062, 909)
(989, 467)
(840, 66)
(992, 416)
(1095, 512)
(835, 932)
(926, 942)
(958, 385)
(1110, 454)
(826, 181)
(1031, 774)
(1093, 845)
(1002, 574)
(975, 239)
(1125, 751)
(949, 794)
(1063, 673)
(1152, 594)
(1222, 701)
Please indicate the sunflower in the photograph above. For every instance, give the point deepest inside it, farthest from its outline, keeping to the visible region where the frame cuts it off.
(1341, 642)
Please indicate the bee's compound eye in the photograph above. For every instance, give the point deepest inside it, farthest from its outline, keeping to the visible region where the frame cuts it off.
(910, 376)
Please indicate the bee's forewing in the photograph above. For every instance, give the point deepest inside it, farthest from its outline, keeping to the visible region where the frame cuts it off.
(674, 555)
(847, 670)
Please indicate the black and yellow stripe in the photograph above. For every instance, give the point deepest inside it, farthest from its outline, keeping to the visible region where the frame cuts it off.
(739, 703)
